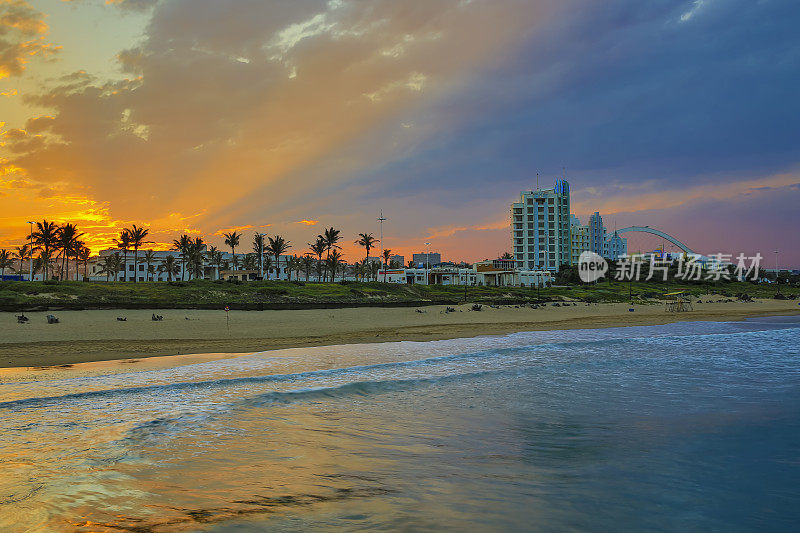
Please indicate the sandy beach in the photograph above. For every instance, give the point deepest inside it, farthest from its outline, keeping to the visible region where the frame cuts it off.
(97, 335)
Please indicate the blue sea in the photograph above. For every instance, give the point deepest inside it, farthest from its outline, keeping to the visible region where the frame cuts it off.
(690, 426)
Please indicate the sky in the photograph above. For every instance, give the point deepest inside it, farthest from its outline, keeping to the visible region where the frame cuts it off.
(201, 117)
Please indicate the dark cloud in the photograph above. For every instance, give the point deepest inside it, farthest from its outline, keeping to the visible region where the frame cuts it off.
(255, 112)
(627, 91)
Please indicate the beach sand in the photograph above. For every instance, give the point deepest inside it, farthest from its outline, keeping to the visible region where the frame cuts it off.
(97, 335)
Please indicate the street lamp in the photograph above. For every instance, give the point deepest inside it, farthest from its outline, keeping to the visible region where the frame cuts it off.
(427, 261)
(30, 253)
(261, 256)
(776, 266)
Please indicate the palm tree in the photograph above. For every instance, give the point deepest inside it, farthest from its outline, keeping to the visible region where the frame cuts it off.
(109, 266)
(293, 265)
(137, 239)
(367, 241)
(6, 261)
(332, 263)
(195, 257)
(64, 242)
(83, 256)
(277, 247)
(359, 270)
(250, 262)
(386, 255)
(170, 266)
(215, 258)
(46, 238)
(149, 260)
(258, 249)
(124, 243)
(23, 254)
(68, 239)
(43, 262)
(267, 264)
(330, 237)
(182, 245)
(307, 262)
(318, 249)
(232, 240)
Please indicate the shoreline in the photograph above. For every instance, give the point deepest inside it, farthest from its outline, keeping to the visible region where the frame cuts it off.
(90, 336)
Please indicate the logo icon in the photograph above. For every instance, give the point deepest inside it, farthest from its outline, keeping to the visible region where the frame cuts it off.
(591, 266)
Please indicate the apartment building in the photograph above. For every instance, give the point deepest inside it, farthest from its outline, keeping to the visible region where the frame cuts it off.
(540, 228)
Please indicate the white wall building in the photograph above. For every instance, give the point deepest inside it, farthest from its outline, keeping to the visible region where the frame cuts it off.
(597, 234)
(484, 273)
(594, 237)
(141, 271)
(579, 239)
(540, 229)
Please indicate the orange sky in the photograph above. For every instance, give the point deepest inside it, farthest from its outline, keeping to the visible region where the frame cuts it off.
(287, 117)
(234, 125)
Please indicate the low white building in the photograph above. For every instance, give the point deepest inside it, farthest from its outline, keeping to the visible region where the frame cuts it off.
(484, 273)
(140, 270)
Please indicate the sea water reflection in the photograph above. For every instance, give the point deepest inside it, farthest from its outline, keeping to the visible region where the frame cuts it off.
(684, 426)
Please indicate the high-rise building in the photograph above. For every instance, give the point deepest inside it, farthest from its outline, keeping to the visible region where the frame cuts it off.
(579, 239)
(597, 234)
(427, 259)
(616, 246)
(540, 230)
(594, 237)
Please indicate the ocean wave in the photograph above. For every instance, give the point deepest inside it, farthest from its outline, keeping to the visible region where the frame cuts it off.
(498, 352)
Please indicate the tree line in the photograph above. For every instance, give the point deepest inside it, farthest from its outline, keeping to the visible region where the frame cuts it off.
(51, 247)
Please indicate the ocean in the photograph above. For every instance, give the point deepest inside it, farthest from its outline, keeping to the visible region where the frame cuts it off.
(690, 426)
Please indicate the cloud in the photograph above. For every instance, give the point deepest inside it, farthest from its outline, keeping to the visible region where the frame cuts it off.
(134, 5)
(242, 113)
(238, 229)
(308, 222)
(22, 30)
(697, 5)
(274, 111)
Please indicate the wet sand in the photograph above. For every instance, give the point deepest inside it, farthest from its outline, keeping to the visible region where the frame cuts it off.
(85, 336)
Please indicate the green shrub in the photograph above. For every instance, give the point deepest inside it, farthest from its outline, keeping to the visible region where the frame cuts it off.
(273, 291)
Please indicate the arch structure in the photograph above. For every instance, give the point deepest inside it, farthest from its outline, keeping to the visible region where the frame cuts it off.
(653, 231)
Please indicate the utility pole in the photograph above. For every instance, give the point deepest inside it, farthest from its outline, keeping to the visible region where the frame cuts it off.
(381, 219)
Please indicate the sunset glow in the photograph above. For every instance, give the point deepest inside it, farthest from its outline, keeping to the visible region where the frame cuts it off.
(202, 117)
